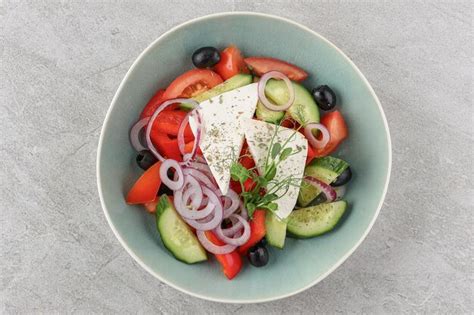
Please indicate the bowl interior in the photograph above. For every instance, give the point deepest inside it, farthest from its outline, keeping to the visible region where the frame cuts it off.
(302, 262)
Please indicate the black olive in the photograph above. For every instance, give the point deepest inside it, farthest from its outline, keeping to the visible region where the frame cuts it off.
(343, 179)
(146, 159)
(258, 255)
(164, 190)
(206, 57)
(324, 97)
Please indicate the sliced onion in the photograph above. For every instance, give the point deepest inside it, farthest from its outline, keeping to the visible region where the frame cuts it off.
(326, 189)
(178, 174)
(197, 137)
(236, 227)
(213, 248)
(234, 203)
(153, 118)
(200, 176)
(135, 134)
(212, 220)
(318, 144)
(237, 241)
(261, 91)
(243, 211)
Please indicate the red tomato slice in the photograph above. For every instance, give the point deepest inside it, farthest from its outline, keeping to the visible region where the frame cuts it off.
(153, 104)
(231, 63)
(311, 155)
(257, 231)
(231, 263)
(262, 65)
(146, 187)
(337, 128)
(192, 83)
(151, 206)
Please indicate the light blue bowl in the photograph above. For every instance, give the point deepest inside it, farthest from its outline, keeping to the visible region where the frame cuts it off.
(302, 263)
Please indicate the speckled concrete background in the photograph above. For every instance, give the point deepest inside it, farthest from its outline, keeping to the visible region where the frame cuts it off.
(61, 63)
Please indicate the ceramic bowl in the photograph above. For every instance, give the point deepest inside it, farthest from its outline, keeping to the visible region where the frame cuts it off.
(302, 263)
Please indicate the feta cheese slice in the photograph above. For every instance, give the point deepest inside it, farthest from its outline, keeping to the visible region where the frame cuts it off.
(222, 133)
(259, 138)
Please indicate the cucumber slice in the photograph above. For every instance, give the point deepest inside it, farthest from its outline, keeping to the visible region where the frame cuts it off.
(267, 115)
(326, 169)
(304, 110)
(236, 81)
(275, 230)
(176, 234)
(317, 220)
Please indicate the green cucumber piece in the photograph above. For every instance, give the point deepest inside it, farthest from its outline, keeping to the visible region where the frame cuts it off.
(326, 169)
(316, 220)
(275, 230)
(304, 109)
(267, 115)
(236, 81)
(176, 234)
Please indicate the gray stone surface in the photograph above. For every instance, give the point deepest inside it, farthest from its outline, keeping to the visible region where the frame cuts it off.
(61, 63)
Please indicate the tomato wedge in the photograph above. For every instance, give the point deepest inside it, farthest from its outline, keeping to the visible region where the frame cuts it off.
(337, 128)
(151, 206)
(231, 63)
(262, 65)
(153, 104)
(192, 83)
(257, 231)
(146, 187)
(311, 155)
(231, 263)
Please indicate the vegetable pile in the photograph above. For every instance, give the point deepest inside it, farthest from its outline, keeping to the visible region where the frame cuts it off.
(231, 165)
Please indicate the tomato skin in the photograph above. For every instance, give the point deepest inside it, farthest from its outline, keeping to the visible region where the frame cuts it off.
(168, 122)
(146, 187)
(262, 65)
(336, 125)
(257, 231)
(191, 83)
(231, 63)
(311, 155)
(231, 263)
(153, 104)
(151, 206)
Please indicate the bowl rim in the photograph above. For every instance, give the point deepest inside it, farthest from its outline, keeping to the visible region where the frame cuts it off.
(112, 104)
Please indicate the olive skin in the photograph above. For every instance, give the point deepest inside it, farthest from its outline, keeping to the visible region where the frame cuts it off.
(206, 57)
(145, 159)
(343, 179)
(324, 97)
(258, 255)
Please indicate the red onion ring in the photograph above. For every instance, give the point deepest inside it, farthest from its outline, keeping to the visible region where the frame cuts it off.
(261, 91)
(234, 205)
(318, 144)
(178, 174)
(153, 118)
(326, 189)
(243, 211)
(200, 176)
(213, 248)
(237, 241)
(212, 220)
(135, 134)
(197, 137)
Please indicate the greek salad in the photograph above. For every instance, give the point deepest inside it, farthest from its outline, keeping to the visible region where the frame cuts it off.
(236, 158)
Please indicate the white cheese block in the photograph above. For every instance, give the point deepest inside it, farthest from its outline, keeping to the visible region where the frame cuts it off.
(259, 138)
(222, 133)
